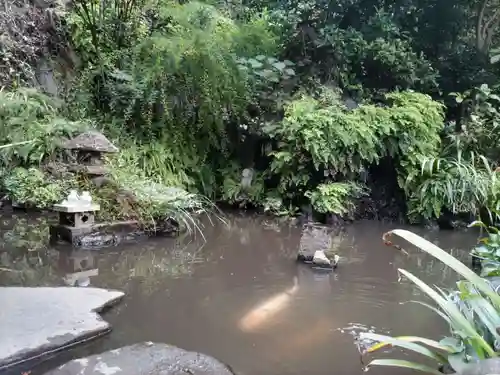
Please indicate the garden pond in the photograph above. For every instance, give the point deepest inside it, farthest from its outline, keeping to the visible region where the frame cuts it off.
(200, 292)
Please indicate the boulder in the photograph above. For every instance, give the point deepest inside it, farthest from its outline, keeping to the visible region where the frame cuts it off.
(317, 246)
(145, 359)
(38, 321)
(314, 238)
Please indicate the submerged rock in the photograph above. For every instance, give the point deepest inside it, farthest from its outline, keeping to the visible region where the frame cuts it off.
(36, 321)
(145, 359)
(103, 239)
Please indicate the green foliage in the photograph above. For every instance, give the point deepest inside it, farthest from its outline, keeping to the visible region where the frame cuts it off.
(488, 249)
(378, 37)
(102, 31)
(182, 79)
(335, 197)
(159, 163)
(324, 136)
(480, 125)
(30, 236)
(271, 81)
(472, 314)
(132, 194)
(374, 62)
(196, 89)
(458, 185)
(33, 188)
(28, 115)
(234, 191)
(274, 205)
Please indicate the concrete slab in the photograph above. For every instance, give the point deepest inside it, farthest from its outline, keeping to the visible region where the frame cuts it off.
(37, 321)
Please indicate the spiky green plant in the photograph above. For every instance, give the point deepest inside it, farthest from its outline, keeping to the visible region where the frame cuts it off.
(459, 184)
(473, 318)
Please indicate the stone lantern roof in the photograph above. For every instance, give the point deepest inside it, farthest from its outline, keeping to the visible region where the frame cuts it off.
(93, 141)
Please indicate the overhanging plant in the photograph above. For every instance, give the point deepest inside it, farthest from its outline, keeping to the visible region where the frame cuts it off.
(473, 318)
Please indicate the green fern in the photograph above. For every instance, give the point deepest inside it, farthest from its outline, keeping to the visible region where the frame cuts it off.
(321, 134)
(335, 197)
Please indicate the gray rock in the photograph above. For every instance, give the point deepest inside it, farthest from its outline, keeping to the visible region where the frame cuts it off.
(314, 238)
(37, 321)
(145, 359)
(45, 72)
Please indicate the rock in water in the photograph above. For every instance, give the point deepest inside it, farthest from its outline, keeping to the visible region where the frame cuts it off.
(320, 259)
(145, 359)
(35, 321)
(314, 238)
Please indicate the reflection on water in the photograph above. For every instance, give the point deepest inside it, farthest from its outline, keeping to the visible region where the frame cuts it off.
(234, 296)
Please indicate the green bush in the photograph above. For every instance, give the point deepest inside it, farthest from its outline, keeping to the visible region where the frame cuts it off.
(335, 197)
(322, 135)
(29, 115)
(458, 185)
(33, 188)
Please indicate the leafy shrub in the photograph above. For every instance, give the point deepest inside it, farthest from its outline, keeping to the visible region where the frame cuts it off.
(270, 81)
(383, 62)
(102, 31)
(335, 197)
(182, 79)
(488, 249)
(234, 191)
(479, 129)
(29, 115)
(159, 162)
(322, 135)
(132, 194)
(32, 187)
(455, 184)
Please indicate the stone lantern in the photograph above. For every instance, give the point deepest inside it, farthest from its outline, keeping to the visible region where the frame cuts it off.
(75, 219)
(90, 147)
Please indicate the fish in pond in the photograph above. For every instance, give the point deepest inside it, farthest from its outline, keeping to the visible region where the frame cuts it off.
(266, 311)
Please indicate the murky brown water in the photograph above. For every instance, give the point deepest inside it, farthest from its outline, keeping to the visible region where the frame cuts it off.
(193, 294)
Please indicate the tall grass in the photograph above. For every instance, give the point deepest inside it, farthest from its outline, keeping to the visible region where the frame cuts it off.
(461, 184)
(158, 198)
